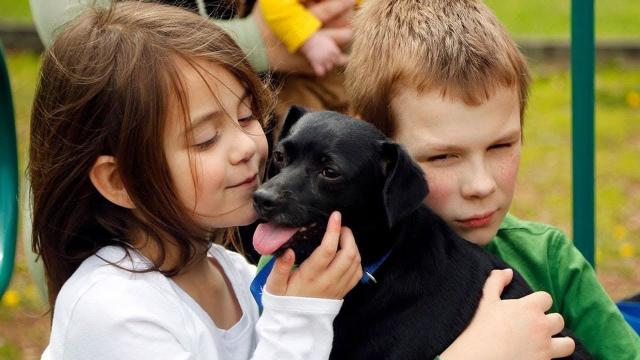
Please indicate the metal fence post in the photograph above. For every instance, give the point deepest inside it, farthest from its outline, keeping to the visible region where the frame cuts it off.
(582, 102)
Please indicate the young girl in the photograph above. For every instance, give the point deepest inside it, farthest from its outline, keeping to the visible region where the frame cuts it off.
(146, 147)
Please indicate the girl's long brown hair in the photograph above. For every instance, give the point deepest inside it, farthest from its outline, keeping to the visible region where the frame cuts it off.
(104, 89)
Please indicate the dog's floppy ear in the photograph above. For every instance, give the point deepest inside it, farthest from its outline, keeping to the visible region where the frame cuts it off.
(294, 114)
(405, 186)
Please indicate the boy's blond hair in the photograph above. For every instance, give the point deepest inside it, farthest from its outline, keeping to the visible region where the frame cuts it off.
(456, 46)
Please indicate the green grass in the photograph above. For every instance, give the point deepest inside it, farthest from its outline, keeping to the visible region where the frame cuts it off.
(532, 18)
(544, 18)
(16, 11)
(544, 189)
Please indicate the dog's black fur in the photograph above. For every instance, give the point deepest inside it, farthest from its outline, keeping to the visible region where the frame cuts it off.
(430, 285)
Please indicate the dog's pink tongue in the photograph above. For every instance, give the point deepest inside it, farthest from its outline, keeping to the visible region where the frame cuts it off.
(269, 237)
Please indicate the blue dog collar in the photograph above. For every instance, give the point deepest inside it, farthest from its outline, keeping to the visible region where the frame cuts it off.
(367, 271)
(259, 282)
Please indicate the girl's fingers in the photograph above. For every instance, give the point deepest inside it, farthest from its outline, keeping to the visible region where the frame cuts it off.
(562, 347)
(352, 276)
(278, 279)
(495, 284)
(346, 256)
(324, 254)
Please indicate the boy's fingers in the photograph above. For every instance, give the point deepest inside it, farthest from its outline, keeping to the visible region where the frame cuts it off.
(322, 256)
(279, 277)
(542, 299)
(562, 347)
(495, 284)
(328, 10)
(556, 323)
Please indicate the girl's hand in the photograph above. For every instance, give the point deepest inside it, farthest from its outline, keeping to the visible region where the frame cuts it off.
(511, 329)
(330, 272)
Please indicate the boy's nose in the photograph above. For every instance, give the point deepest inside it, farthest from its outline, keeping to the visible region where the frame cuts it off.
(479, 184)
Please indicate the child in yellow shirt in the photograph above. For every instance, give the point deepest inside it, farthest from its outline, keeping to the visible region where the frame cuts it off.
(301, 31)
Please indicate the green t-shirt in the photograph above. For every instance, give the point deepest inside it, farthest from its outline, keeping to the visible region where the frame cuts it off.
(547, 259)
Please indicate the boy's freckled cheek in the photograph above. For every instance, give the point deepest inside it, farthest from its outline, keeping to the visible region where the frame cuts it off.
(508, 172)
(441, 186)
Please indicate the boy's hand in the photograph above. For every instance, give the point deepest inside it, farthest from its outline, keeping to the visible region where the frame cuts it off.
(323, 53)
(330, 272)
(511, 329)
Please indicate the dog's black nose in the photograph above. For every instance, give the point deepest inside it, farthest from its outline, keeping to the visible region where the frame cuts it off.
(264, 201)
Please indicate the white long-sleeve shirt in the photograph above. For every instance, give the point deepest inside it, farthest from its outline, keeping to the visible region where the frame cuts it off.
(107, 312)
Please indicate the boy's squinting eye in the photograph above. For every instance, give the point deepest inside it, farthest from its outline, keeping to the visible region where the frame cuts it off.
(500, 146)
(441, 157)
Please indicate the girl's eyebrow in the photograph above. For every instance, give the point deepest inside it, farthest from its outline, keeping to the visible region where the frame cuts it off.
(212, 114)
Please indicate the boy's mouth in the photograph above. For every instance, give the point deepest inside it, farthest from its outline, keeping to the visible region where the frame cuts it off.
(478, 221)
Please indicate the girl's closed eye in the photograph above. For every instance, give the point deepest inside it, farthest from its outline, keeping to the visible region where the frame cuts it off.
(245, 120)
(206, 142)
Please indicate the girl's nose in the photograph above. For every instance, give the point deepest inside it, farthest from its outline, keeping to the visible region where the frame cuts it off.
(243, 147)
(479, 184)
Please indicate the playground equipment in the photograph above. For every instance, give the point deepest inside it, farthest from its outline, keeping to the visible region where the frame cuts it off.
(8, 178)
(582, 126)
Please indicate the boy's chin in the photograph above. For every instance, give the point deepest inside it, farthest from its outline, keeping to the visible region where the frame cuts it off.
(479, 236)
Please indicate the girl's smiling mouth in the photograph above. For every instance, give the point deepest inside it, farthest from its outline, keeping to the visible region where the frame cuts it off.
(249, 181)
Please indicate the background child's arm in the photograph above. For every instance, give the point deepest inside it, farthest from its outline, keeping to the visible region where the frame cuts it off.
(290, 21)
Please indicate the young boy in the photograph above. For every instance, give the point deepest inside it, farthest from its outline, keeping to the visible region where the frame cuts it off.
(444, 79)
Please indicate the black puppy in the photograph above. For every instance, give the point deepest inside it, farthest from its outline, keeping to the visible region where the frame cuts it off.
(422, 284)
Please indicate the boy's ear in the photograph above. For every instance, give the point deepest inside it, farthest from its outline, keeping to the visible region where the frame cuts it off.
(106, 179)
(294, 114)
(405, 186)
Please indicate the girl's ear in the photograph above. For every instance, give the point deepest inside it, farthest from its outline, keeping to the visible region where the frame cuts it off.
(105, 177)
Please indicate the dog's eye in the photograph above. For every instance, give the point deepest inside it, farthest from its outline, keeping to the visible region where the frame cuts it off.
(278, 157)
(330, 173)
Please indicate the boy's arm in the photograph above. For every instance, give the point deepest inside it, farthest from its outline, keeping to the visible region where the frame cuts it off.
(292, 23)
(586, 307)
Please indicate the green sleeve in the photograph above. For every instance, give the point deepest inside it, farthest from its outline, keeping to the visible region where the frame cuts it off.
(246, 33)
(586, 307)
